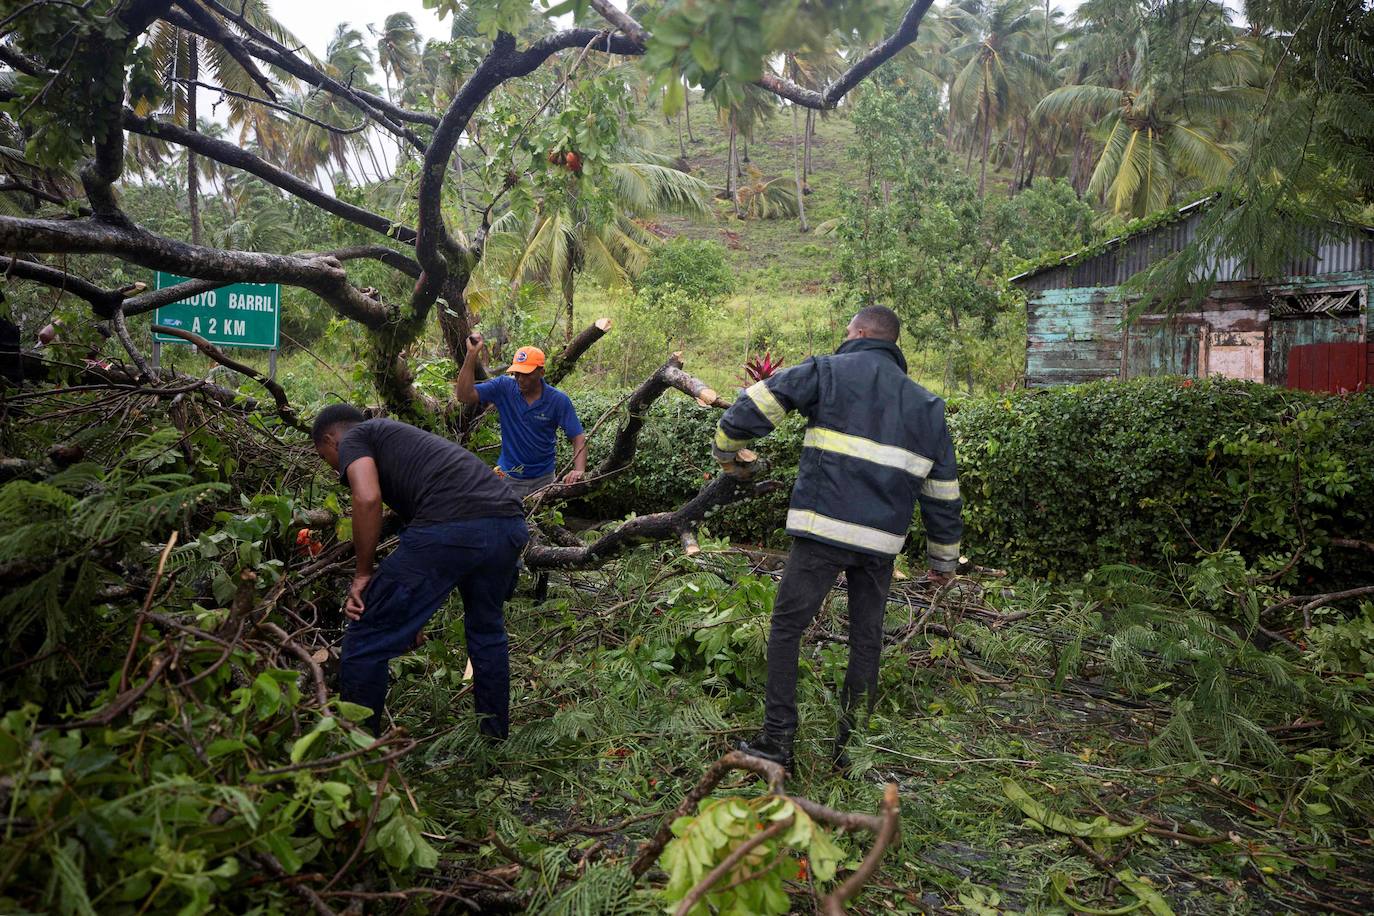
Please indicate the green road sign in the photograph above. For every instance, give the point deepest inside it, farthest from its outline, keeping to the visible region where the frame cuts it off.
(237, 315)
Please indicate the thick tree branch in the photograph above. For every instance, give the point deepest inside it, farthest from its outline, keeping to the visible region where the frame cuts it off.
(831, 94)
(884, 51)
(324, 276)
(231, 155)
(622, 453)
(15, 186)
(284, 408)
(104, 301)
(565, 362)
(216, 31)
(622, 20)
(501, 64)
(721, 491)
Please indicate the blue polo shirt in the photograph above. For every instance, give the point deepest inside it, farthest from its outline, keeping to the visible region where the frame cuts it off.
(529, 432)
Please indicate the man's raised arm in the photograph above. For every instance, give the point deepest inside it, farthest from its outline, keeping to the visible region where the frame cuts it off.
(464, 386)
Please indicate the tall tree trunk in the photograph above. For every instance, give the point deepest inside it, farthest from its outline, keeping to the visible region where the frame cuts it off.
(569, 290)
(987, 138)
(1021, 154)
(192, 173)
(687, 108)
(372, 154)
(808, 136)
(797, 172)
(746, 154)
(968, 160)
(949, 118)
(681, 143)
(730, 169)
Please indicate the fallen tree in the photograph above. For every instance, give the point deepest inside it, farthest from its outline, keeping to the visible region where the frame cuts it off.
(70, 126)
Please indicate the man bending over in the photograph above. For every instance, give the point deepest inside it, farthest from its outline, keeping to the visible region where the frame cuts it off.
(464, 529)
(531, 411)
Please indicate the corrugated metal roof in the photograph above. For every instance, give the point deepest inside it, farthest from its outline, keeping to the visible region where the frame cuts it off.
(1126, 256)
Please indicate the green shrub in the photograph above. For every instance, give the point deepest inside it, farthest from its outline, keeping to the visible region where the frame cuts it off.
(1060, 481)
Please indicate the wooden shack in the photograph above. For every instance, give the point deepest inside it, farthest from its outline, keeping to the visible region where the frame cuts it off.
(1307, 330)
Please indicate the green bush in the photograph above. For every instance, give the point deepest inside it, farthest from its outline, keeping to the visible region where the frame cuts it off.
(1060, 481)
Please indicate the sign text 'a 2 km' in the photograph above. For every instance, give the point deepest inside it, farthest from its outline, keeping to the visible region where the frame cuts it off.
(237, 315)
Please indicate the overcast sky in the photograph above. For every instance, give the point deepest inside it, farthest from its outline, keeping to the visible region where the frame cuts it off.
(313, 21)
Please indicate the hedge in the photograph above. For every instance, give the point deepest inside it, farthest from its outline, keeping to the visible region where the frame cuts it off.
(1058, 481)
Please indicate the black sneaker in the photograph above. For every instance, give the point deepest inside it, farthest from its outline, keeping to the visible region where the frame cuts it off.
(768, 747)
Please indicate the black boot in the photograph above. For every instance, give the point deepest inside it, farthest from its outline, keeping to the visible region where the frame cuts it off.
(839, 757)
(777, 748)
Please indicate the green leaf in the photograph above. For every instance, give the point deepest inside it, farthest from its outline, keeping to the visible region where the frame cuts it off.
(1154, 902)
(1100, 828)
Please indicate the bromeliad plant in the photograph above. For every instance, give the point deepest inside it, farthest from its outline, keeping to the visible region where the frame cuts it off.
(758, 368)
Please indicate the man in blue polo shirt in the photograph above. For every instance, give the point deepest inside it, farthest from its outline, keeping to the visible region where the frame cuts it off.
(531, 413)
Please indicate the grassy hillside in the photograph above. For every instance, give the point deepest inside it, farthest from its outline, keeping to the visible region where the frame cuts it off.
(784, 279)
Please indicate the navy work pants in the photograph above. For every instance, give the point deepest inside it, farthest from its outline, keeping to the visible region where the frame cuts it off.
(476, 556)
(808, 577)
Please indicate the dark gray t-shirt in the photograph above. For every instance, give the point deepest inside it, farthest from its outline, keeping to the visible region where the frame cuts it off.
(426, 479)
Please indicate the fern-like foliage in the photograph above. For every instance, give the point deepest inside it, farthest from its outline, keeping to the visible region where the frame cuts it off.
(64, 539)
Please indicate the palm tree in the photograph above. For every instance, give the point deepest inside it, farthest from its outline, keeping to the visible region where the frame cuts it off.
(398, 49)
(1001, 71)
(555, 244)
(1163, 132)
(312, 147)
(182, 58)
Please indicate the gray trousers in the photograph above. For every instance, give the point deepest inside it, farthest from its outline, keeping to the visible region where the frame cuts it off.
(525, 486)
(810, 572)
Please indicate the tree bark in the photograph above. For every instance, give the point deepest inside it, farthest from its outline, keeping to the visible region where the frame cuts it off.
(722, 490)
(563, 364)
(987, 138)
(192, 177)
(808, 136)
(622, 453)
(730, 167)
(797, 173)
(687, 108)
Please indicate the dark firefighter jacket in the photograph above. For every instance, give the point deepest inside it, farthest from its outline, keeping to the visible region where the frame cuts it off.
(876, 444)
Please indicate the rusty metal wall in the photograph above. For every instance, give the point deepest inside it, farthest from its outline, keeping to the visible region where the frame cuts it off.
(1354, 252)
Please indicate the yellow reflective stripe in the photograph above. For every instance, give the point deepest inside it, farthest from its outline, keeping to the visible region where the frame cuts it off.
(890, 456)
(767, 404)
(943, 551)
(726, 444)
(833, 529)
(940, 489)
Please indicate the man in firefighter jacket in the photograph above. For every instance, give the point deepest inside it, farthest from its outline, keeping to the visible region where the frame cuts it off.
(876, 445)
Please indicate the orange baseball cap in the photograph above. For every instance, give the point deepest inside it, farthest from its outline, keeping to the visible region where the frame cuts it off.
(527, 359)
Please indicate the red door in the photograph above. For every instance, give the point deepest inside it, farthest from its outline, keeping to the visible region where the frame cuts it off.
(1334, 367)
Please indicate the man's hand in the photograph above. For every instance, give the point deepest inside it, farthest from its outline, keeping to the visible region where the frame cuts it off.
(574, 476)
(353, 605)
(477, 346)
(742, 465)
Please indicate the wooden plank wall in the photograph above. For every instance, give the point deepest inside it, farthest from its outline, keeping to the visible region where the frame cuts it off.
(1072, 335)
(1075, 335)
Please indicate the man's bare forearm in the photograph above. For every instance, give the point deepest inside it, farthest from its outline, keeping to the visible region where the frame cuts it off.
(367, 530)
